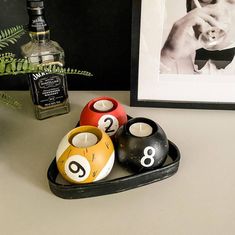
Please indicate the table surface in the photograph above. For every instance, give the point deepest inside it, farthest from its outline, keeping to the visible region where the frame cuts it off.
(198, 199)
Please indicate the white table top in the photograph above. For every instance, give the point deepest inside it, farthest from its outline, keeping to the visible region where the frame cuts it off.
(199, 199)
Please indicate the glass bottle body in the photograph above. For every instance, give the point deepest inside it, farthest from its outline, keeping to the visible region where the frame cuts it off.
(49, 92)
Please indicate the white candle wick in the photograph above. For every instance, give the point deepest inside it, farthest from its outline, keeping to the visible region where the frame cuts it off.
(103, 104)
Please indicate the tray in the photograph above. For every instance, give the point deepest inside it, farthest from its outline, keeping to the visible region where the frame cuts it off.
(120, 184)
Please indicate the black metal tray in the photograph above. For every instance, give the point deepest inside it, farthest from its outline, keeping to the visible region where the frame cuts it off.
(74, 191)
(114, 183)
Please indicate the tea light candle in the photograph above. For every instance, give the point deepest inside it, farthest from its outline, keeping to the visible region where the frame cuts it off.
(141, 129)
(103, 105)
(84, 140)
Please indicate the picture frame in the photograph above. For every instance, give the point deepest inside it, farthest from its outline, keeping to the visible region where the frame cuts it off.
(149, 87)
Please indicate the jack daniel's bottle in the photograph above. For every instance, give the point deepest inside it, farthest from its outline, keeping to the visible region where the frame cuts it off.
(49, 91)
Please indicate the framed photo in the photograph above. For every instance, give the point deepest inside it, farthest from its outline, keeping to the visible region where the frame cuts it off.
(192, 77)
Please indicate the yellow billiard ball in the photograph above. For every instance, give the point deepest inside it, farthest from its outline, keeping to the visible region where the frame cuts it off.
(85, 155)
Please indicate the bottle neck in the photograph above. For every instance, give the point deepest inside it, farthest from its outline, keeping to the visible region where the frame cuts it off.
(38, 27)
(40, 36)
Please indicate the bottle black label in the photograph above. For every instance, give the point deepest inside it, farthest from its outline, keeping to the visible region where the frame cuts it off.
(48, 89)
(38, 24)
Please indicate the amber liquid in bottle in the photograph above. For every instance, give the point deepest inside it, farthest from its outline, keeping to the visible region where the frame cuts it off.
(49, 92)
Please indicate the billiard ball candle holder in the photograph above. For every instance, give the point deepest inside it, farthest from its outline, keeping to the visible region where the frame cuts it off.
(85, 155)
(140, 146)
(105, 113)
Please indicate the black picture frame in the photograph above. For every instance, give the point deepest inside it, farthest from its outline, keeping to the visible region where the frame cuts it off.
(136, 86)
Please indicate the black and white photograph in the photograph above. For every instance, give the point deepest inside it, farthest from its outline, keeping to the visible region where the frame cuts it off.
(185, 54)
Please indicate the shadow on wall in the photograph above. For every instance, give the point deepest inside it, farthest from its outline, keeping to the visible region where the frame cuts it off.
(95, 34)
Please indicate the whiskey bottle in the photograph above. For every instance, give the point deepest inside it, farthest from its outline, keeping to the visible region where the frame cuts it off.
(49, 92)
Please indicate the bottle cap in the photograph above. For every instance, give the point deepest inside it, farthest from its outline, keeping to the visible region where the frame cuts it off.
(35, 7)
(32, 4)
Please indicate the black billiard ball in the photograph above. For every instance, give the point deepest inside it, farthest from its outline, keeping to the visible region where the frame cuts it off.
(141, 145)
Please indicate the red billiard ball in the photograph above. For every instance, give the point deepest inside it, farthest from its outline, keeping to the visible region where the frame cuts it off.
(105, 113)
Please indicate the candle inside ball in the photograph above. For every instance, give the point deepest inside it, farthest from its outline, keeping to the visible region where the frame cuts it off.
(140, 129)
(84, 140)
(103, 105)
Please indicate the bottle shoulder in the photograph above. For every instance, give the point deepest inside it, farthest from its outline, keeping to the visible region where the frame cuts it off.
(41, 48)
(43, 52)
